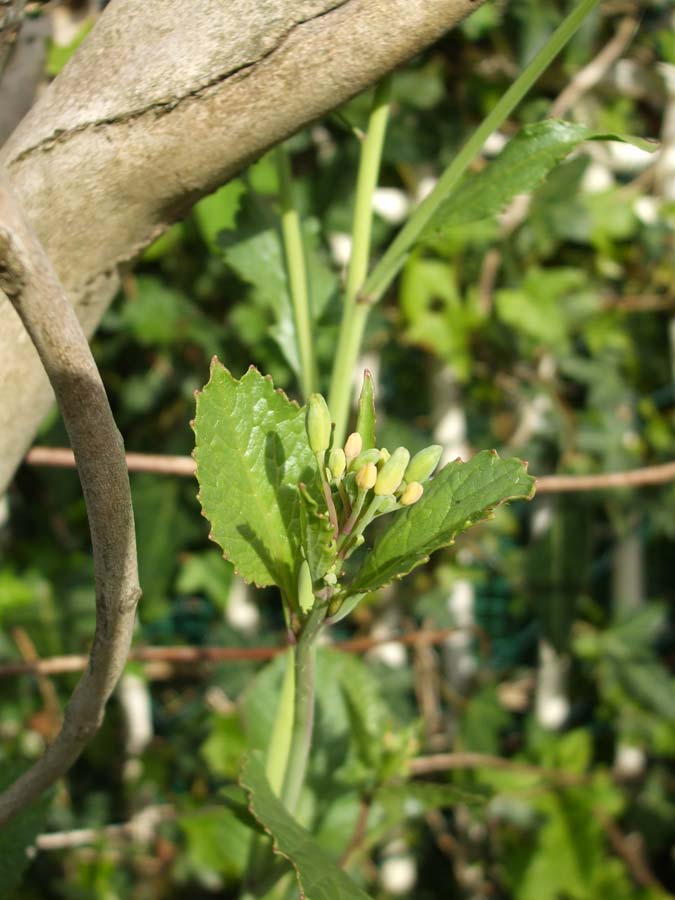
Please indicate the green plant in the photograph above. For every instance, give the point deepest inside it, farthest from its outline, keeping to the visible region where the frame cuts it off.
(291, 502)
(291, 510)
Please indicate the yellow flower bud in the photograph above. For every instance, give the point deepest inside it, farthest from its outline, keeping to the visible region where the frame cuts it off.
(366, 477)
(318, 424)
(353, 446)
(391, 473)
(411, 494)
(337, 462)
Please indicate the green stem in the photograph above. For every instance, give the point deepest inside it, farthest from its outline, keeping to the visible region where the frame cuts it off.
(362, 294)
(279, 746)
(303, 711)
(294, 250)
(386, 270)
(354, 313)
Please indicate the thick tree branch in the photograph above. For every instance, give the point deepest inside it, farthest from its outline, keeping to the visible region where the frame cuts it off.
(160, 105)
(28, 280)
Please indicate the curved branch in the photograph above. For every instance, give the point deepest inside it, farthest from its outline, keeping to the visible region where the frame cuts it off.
(29, 281)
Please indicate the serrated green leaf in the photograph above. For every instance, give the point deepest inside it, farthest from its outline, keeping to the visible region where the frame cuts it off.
(458, 497)
(319, 876)
(365, 422)
(17, 837)
(520, 167)
(251, 452)
(318, 540)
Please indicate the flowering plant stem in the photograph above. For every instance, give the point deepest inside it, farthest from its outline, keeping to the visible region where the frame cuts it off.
(304, 661)
(294, 251)
(354, 312)
(362, 293)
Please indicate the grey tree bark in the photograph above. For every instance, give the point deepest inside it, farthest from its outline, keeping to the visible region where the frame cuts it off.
(163, 103)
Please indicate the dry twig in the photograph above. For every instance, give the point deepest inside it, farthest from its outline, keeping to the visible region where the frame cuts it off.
(546, 484)
(63, 665)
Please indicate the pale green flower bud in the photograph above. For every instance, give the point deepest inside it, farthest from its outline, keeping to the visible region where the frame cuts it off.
(305, 588)
(366, 477)
(411, 494)
(423, 463)
(337, 462)
(367, 456)
(391, 473)
(353, 446)
(384, 455)
(318, 424)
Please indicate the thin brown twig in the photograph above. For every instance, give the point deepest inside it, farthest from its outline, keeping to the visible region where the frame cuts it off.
(140, 828)
(555, 484)
(359, 833)
(443, 762)
(641, 303)
(594, 71)
(630, 849)
(28, 279)
(155, 463)
(63, 665)
(546, 484)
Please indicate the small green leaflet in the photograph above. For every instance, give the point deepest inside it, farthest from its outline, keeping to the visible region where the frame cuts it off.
(521, 166)
(251, 453)
(319, 876)
(461, 495)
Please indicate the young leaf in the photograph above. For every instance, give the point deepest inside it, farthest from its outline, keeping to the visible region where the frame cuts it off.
(319, 876)
(458, 497)
(251, 452)
(520, 167)
(365, 423)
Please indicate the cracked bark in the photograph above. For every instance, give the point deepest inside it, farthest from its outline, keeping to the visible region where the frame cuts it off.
(156, 110)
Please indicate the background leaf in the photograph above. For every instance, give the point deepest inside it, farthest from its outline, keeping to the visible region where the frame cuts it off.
(520, 167)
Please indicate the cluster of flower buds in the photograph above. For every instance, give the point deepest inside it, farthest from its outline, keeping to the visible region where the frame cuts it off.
(361, 484)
